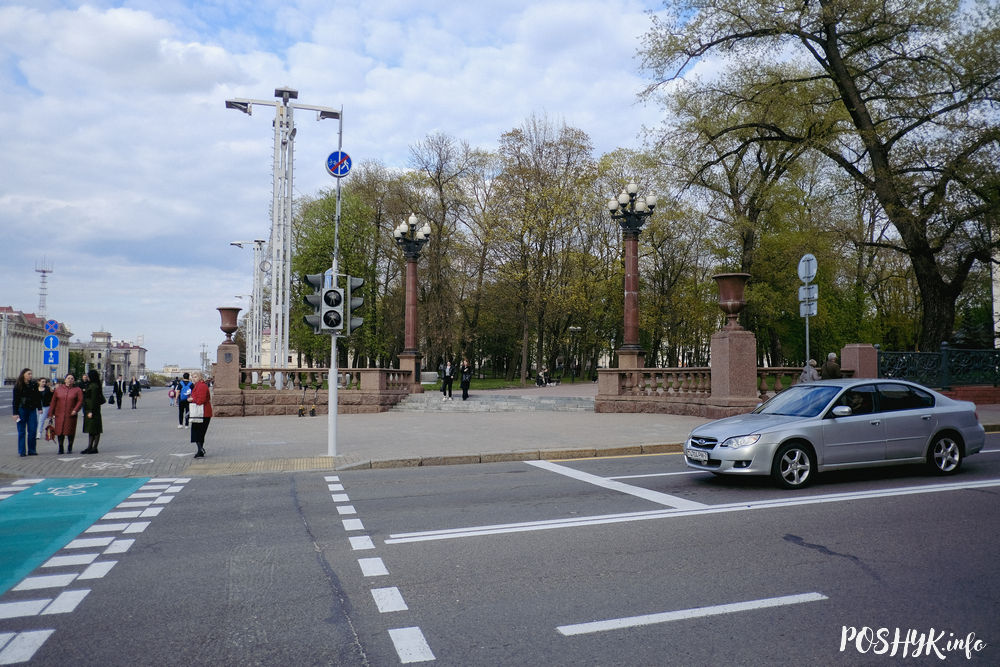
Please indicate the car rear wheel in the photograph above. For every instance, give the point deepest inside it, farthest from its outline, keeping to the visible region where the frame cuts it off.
(793, 466)
(945, 455)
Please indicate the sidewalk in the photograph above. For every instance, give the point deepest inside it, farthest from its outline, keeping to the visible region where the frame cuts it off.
(147, 443)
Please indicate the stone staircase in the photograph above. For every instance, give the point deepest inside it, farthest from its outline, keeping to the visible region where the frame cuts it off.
(430, 401)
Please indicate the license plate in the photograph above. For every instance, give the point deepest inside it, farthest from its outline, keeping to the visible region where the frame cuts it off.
(697, 455)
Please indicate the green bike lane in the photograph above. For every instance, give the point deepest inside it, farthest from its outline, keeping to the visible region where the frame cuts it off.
(39, 519)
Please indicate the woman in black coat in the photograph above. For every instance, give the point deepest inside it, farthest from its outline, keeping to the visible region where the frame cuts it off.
(93, 399)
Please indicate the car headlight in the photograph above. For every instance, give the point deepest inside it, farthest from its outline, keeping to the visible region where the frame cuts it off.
(741, 441)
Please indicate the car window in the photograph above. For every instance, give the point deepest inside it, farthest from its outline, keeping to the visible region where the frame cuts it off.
(861, 400)
(799, 401)
(894, 397)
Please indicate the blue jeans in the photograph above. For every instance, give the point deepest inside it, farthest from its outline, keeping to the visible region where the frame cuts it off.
(27, 430)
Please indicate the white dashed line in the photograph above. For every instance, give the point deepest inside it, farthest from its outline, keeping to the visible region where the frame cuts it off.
(353, 524)
(346, 509)
(388, 599)
(341, 498)
(361, 542)
(66, 561)
(372, 567)
(98, 570)
(411, 645)
(22, 646)
(66, 602)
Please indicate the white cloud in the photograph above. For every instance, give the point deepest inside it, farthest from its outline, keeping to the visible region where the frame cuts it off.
(124, 169)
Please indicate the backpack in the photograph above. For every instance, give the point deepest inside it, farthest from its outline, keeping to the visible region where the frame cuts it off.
(186, 388)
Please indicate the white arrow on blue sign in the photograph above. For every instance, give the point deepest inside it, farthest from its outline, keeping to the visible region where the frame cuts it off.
(51, 358)
(51, 342)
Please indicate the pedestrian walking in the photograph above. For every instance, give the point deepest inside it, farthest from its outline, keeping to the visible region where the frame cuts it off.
(201, 396)
(120, 389)
(183, 393)
(172, 392)
(27, 403)
(67, 400)
(45, 392)
(831, 369)
(447, 378)
(93, 399)
(809, 372)
(465, 377)
(134, 389)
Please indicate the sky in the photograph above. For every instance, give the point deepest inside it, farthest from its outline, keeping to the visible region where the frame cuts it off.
(124, 173)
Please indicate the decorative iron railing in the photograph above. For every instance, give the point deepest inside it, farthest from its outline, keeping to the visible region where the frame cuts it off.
(942, 369)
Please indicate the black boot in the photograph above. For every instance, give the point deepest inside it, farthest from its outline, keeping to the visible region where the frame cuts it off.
(201, 452)
(60, 449)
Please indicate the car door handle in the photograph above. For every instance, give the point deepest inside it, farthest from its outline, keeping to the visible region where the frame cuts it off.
(875, 422)
(927, 418)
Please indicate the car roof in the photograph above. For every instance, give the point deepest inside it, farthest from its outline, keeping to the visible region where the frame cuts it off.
(853, 382)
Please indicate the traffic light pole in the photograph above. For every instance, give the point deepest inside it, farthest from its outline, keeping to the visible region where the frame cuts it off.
(334, 380)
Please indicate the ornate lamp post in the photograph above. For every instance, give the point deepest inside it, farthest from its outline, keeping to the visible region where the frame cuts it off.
(411, 240)
(631, 212)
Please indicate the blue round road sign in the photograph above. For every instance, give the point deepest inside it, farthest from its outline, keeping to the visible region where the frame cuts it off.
(338, 164)
(51, 326)
(51, 343)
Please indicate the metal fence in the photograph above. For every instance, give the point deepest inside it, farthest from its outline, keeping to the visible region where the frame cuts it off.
(942, 369)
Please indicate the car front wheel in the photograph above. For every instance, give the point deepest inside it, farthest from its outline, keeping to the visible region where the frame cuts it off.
(793, 466)
(945, 455)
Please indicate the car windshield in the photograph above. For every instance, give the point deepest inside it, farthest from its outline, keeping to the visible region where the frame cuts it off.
(799, 401)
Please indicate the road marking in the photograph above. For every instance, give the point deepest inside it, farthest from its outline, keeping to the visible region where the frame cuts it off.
(372, 567)
(639, 492)
(388, 600)
(340, 498)
(411, 645)
(353, 524)
(335, 487)
(89, 542)
(659, 474)
(22, 646)
(22, 608)
(119, 547)
(346, 509)
(361, 542)
(576, 522)
(45, 581)
(97, 570)
(74, 559)
(331, 478)
(66, 602)
(684, 614)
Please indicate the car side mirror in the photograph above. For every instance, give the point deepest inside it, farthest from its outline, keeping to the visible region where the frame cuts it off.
(842, 411)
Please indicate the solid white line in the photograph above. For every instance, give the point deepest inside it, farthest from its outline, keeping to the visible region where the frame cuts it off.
(5, 496)
(639, 492)
(119, 547)
(346, 509)
(75, 559)
(23, 646)
(22, 608)
(361, 542)
(372, 567)
(411, 645)
(659, 474)
(388, 600)
(571, 522)
(46, 581)
(89, 542)
(66, 602)
(353, 524)
(684, 614)
(97, 570)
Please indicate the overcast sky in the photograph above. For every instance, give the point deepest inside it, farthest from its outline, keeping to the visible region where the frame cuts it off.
(123, 171)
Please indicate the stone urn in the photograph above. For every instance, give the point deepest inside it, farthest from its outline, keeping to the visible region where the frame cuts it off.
(229, 325)
(731, 301)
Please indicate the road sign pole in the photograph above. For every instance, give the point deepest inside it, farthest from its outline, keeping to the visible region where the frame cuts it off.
(331, 396)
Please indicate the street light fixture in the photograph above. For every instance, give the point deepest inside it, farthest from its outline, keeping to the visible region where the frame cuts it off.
(411, 240)
(631, 212)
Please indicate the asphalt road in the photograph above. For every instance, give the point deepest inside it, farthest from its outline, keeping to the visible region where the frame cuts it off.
(615, 561)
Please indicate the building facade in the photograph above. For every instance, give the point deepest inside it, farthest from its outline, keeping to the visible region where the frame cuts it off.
(22, 345)
(111, 358)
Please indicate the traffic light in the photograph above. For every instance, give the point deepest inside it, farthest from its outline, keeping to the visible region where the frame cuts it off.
(314, 280)
(354, 303)
(333, 309)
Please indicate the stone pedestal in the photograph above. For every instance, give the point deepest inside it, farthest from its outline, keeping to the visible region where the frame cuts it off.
(734, 367)
(860, 358)
(629, 358)
(410, 361)
(227, 367)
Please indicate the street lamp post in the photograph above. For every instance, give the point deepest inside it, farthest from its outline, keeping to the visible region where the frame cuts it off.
(573, 331)
(631, 212)
(255, 314)
(411, 240)
(281, 211)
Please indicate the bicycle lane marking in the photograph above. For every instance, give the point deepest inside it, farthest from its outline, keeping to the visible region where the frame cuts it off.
(40, 520)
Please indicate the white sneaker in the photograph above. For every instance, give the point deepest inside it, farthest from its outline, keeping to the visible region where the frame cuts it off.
(180, 426)
(444, 398)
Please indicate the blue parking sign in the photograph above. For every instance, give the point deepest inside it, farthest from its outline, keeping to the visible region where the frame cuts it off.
(51, 358)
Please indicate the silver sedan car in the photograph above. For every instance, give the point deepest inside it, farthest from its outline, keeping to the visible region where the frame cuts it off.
(836, 425)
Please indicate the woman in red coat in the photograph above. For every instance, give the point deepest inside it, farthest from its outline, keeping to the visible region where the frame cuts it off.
(200, 395)
(67, 399)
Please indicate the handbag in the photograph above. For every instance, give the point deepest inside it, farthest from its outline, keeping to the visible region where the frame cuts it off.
(196, 413)
(50, 432)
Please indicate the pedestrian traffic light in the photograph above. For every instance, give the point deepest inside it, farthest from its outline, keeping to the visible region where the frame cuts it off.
(333, 309)
(314, 280)
(354, 302)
